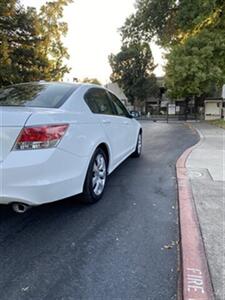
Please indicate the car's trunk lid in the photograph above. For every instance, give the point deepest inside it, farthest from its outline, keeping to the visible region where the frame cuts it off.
(12, 120)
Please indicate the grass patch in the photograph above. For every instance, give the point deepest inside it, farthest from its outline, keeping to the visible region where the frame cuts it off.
(218, 123)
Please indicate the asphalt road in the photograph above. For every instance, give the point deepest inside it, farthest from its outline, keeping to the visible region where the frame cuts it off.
(119, 248)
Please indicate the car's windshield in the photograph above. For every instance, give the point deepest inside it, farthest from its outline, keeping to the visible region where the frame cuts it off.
(36, 94)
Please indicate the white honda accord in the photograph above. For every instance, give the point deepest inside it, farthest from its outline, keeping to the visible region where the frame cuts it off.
(58, 140)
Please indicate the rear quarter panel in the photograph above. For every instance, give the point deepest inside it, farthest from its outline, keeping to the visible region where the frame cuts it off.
(83, 135)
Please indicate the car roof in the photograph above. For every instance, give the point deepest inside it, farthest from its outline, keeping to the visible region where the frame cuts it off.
(48, 82)
(78, 84)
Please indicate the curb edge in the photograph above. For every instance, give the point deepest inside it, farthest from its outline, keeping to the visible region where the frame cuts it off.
(195, 276)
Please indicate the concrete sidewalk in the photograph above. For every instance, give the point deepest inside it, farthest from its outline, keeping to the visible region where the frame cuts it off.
(206, 166)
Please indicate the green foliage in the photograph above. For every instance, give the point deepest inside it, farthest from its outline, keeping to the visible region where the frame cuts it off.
(193, 32)
(198, 64)
(169, 21)
(52, 28)
(133, 70)
(218, 123)
(30, 42)
(91, 80)
(153, 18)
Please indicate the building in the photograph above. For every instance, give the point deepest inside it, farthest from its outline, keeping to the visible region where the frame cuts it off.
(213, 109)
(158, 105)
(114, 87)
(152, 105)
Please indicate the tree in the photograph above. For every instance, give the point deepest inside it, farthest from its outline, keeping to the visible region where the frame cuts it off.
(52, 29)
(17, 42)
(91, 80)
(197, 67)
(5, 63)
(170, 21)
(133, 70)
(7, 7)
(30, 42)
(193, 34)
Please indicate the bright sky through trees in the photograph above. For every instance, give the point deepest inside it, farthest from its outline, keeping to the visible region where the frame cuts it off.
(93, 35)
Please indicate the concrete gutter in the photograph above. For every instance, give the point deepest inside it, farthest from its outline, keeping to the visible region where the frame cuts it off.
(196, 281)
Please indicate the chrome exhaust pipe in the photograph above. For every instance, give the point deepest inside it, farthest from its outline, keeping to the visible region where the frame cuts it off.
(20, 208)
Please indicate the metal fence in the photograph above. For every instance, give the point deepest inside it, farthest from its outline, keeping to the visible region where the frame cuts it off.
(183, 112)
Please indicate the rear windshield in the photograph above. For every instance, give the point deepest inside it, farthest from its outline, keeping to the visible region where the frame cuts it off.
(36, 94)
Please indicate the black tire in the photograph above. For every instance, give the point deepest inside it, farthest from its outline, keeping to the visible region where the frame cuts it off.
(90, 195)
(137, 152)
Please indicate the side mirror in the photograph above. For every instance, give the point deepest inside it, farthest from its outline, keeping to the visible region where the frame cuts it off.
(130, 116)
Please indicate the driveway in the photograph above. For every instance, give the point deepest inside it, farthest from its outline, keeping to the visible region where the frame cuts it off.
(124, 247)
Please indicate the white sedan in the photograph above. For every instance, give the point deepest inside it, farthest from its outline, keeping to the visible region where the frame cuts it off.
(58, 140)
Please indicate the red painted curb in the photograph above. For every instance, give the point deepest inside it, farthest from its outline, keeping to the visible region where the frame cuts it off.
(196, 280)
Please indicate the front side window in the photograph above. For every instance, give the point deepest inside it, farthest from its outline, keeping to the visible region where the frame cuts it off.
(51, 95)
(120, 108)
(98, 102)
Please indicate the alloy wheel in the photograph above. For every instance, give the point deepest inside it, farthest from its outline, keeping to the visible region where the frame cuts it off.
(99, 174)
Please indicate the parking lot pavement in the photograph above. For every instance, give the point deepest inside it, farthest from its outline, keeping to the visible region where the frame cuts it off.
(124, 247)
(206, 167)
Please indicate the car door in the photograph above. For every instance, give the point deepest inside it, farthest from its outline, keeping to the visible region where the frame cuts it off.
(100, 103)
(126, 123)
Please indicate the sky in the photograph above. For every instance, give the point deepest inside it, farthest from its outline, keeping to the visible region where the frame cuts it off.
(93, 35)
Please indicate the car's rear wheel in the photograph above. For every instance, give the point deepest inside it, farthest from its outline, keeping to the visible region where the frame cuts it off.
(138, 149)
(95, 181)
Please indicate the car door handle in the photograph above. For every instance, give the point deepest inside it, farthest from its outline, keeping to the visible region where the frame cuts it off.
(125, 122)
(106, 121)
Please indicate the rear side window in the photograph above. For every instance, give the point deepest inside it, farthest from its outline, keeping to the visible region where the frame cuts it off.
(36, 95)
(120, 108)
(99, 102)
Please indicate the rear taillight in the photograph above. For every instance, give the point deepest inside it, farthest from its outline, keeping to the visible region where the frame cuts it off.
(40, 137)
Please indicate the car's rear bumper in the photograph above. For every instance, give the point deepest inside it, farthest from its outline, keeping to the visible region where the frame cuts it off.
(40, 176)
